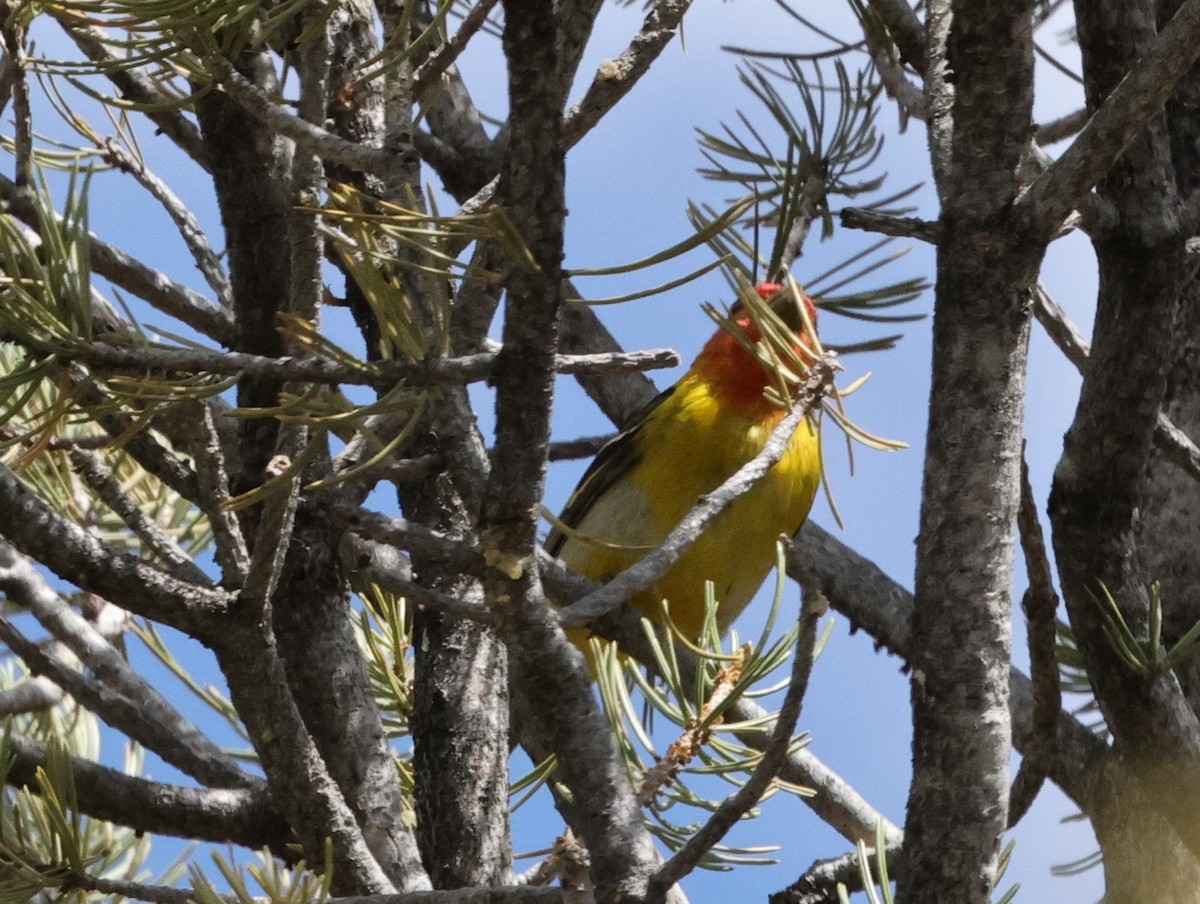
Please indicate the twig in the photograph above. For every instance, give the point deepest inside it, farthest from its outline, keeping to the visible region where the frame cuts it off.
(616, 78)
(14, 50)
(902, 227)
(276, 520)
(330, 147)
(207, 261)
(29, 695)
(1040, 604)
(381, 374)
(736, 805)
(460, 553)
(819, 883)
(1062, 128)
(905, 29)
(812, 193)
(1177, 445)
(443, 57)
(620, 398)
(212, 477)
(99, 476)
(503, 894)
(162, 894)
(303, 788)
(133, 717)
(584, 447)
(568, 860)
(908, 97)
(696, 734)
(307, 182)
(135, 86)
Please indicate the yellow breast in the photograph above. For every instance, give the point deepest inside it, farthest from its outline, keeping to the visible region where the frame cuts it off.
(687, 446)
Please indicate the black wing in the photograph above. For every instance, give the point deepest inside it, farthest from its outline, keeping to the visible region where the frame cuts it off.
(611, 463)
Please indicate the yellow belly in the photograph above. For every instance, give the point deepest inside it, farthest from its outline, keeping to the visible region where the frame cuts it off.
(688, 446)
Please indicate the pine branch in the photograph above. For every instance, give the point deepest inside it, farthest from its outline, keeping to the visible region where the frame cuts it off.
(136, 86)
(70, 552)
(224, 816)
(836, 802)
(157, 724)
(768, 767)
(130, 274)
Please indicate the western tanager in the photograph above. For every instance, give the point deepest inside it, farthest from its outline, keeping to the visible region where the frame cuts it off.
(687, 442)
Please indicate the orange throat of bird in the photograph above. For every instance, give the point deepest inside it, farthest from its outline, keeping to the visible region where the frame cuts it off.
(734, 374)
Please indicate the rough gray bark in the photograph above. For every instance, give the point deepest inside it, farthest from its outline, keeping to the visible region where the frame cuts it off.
(1167, 531)
(306, 637)
(980, 94)
(1117, 506)
(1096, 498)
(460, 712)
(543, 662)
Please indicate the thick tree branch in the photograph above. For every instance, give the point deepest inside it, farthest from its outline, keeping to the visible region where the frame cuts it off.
(1095, 502)
(166, 732)
(1063, 333)
(224, 816)
(543, 663)
(1124, 112)
(302, 786)
(76, 556)
(333, 148)
(872, 601)
(979, 99)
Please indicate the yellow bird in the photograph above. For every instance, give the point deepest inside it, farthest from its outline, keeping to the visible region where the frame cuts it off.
(686, 443)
